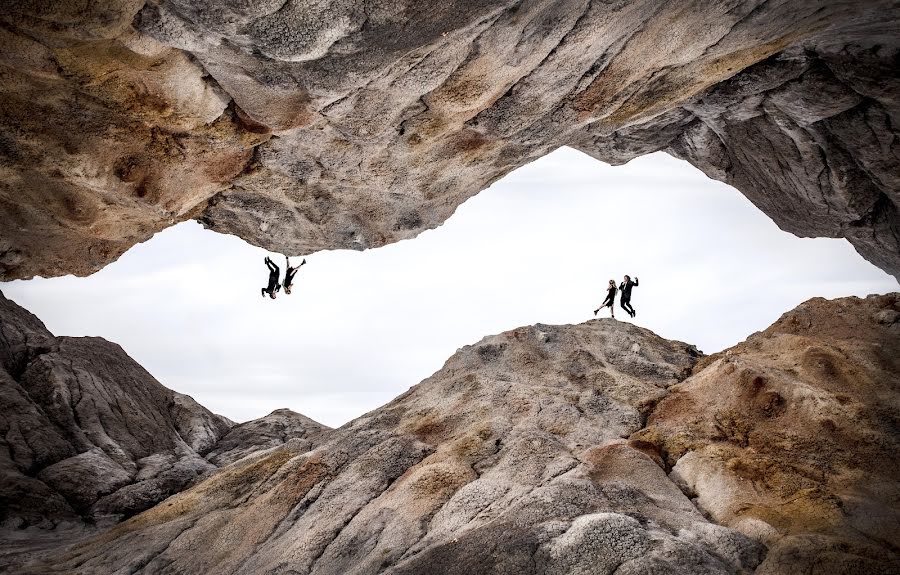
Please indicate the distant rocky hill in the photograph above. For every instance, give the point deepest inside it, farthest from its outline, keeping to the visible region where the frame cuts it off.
(592, 448)
(279, 427)
(86, 434)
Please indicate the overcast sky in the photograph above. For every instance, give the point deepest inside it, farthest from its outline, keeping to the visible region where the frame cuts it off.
(362, 327)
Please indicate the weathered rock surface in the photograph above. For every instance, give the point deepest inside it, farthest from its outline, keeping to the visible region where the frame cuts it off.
(792, 437)
(279, 427)
(594, 448)
(304, 126)
(513, 458)
(85, 432)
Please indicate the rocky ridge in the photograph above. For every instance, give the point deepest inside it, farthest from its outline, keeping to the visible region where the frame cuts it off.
(598, 448)
(86, 434)
(305, 126)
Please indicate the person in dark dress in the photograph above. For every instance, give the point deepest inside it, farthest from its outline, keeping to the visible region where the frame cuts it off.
(625, 298)
(289, 275)
(273, 286)
(610, 300)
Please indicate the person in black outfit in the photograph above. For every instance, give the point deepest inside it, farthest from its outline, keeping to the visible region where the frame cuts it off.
(625, 298)
(274, 286)
(289, 275)
(610, 300)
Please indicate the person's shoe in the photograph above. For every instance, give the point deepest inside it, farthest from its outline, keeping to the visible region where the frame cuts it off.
(634, 313)
(303, 262)
(596, 310)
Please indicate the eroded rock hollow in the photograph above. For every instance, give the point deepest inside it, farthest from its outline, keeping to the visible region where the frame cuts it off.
(302, 126)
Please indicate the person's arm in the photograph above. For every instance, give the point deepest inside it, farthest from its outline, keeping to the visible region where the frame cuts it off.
(635, 280)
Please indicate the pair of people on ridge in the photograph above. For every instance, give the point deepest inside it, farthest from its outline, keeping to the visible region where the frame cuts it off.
(275, 273)
(624, 299)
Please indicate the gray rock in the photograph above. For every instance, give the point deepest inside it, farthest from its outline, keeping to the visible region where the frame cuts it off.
(152, 487)
(85, 431)
(196, 425)
(513, 458)
(338, 125)
(84, 478)
(591, 448)
(273, 430)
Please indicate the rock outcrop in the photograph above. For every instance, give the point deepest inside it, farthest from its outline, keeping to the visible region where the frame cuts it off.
(305, 126)
(86, 434)
(792, 437)
(593, 448)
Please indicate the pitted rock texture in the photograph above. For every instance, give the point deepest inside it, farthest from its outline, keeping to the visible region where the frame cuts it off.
(792, 437)
(303, 126)
(513, 458)
(87, 433)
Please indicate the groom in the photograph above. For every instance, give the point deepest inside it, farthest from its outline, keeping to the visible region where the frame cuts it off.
(625, 299)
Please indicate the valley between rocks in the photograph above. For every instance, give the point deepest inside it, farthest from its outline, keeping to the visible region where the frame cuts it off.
(590, 448)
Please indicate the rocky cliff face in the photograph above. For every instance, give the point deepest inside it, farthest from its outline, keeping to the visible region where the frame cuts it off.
(86, 431)
(305, 126)
(791, 437)
(594, 448)
(87, 434)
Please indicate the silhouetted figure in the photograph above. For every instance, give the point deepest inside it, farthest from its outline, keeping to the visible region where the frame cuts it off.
(610, 300)
(289, 275)
(625, 298)
(274, 272)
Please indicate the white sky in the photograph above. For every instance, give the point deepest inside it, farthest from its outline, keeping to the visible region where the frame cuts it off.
(362, 327)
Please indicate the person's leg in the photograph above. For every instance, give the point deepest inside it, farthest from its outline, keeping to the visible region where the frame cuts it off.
(624, 303)
(629, 309)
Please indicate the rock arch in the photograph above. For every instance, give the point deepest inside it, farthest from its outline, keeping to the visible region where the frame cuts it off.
(301, 126)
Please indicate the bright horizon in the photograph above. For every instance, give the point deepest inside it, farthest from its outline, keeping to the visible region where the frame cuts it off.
(537, 247)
